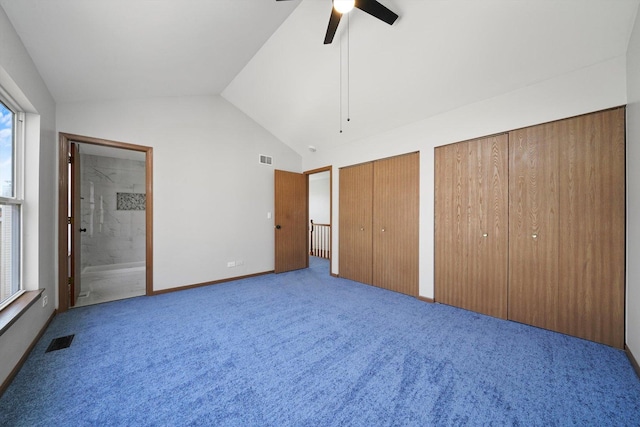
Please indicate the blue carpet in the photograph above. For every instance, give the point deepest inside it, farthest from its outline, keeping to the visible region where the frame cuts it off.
(305, 349)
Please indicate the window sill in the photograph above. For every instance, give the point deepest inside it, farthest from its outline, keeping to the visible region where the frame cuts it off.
(13, 311)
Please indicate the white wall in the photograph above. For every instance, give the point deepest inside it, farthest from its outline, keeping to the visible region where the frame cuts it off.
(319, 198)
(18, 76)
(589, 89)
(210, 195)
(633, 192)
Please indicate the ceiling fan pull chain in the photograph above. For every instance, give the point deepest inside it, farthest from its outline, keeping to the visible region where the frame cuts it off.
(340, 99)
(348, 68)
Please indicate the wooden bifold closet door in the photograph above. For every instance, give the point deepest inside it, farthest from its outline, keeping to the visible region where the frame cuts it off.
(567, 234)
(534, 230)
(556, 257)
(471, 227)
(379, 206)
(396, 223)
(356, 221)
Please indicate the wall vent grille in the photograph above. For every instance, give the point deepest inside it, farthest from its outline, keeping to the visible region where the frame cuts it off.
(266, 160)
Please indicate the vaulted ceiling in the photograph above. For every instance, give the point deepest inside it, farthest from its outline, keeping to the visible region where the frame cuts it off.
(267, 57)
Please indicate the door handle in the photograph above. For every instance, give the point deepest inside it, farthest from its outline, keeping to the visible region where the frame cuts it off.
(278, 227)
(83, 230)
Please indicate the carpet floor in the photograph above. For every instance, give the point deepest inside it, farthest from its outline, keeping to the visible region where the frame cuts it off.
(306, 349)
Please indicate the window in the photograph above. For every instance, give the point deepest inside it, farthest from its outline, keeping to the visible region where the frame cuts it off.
(10, 201)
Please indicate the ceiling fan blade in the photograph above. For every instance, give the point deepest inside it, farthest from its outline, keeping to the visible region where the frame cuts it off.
(374, 8)
(334, 20)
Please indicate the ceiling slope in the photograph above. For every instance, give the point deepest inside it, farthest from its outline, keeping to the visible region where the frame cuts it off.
(268, 57)
(439, 55)
(111, 49)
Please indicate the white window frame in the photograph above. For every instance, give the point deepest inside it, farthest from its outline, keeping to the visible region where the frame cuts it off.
(18, 185)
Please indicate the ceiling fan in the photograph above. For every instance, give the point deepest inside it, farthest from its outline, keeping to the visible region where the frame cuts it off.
(340, 7)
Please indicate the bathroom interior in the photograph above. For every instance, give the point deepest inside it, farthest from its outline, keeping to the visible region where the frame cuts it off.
(112, 201)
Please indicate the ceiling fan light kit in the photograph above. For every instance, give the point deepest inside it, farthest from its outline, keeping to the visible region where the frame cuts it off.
(344, 6)
(340, 7)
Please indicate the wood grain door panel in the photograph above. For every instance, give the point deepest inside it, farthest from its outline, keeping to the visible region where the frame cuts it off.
(488, 224)
(533, 226)
(564, 228)
(291, 212)
(355, 228)
(451, 225)
(396, 204)
(592, 222)
(471, 228)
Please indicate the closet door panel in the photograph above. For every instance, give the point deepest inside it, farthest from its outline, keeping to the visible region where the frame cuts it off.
(488, 225)
(451, 225)
(533, 226)
(395, 223)
(355, 228)
(592, 222)
(471, 231)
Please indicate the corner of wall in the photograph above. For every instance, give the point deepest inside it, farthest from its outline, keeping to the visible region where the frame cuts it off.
(632, 336)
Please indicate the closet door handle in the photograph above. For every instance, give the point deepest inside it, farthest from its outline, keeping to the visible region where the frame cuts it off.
(535, 236)
(485, 235)
(383, 230)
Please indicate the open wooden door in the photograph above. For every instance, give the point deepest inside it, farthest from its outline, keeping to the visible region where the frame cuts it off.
(291, 211)
(75, 224)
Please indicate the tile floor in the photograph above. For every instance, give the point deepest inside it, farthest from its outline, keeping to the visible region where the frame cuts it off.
(111, 285)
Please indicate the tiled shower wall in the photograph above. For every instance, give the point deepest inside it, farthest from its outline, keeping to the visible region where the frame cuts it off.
(113, 236)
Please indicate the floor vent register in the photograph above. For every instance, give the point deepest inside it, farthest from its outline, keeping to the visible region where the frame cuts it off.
(60, 343)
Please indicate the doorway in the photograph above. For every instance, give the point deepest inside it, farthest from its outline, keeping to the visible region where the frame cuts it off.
(320, 235)
(292, 226)
(106, 211)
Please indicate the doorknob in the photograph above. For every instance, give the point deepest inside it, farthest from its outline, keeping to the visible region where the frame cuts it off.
(83, 230)
(278, 227)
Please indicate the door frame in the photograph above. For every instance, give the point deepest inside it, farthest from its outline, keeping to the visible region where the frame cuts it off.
(311, 172)
(63, 198)
(75, 192)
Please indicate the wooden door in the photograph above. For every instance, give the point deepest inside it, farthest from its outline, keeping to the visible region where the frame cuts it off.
(396, 223)
(592, 226)
(471, 225)
(451, 225)
(291, 211)
(355, 225)
(75, 269)
(534, 226)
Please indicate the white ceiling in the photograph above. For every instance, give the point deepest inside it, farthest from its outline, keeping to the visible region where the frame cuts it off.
(110, 49)
(267, 57)
(439, 55)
